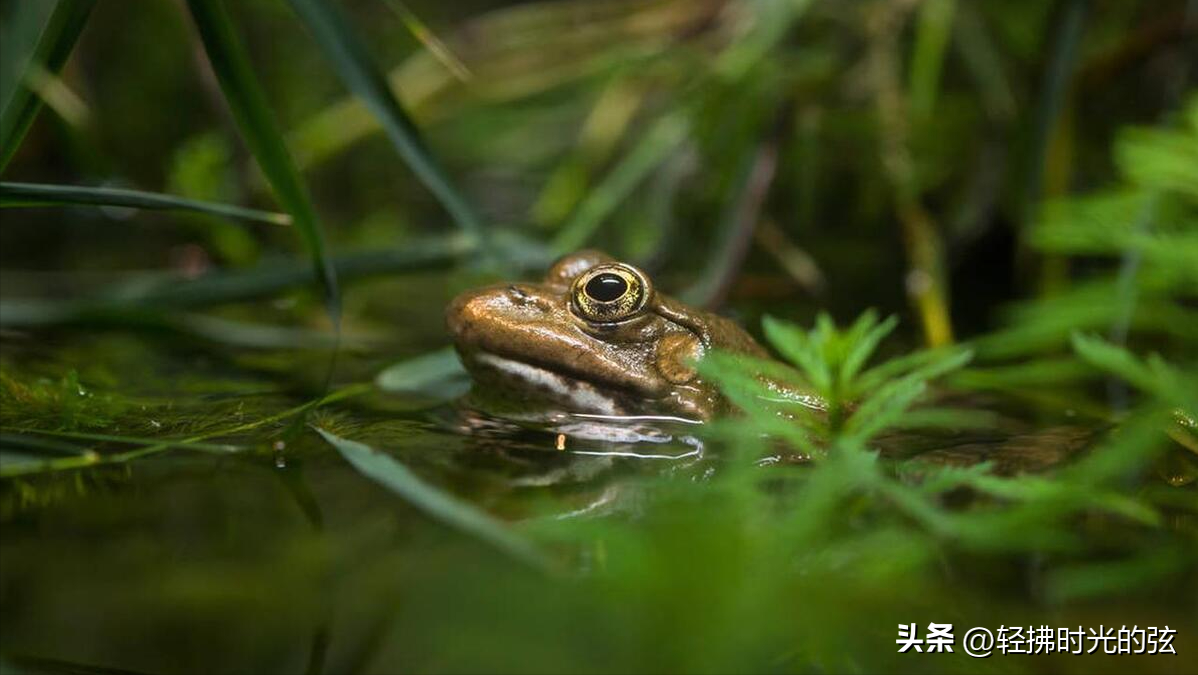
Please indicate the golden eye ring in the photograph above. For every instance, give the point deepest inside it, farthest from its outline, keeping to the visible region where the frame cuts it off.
(609, 293)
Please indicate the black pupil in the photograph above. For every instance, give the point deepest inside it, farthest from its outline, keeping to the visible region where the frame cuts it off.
(606, 287)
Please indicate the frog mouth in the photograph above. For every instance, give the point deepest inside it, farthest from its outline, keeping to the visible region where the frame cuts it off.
(579, 393)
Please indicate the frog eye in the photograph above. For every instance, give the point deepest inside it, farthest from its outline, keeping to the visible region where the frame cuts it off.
(609, 293)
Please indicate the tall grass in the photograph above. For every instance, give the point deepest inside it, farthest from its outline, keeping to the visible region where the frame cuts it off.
(913, 157)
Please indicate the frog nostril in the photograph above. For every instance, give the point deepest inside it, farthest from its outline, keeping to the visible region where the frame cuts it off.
(519, 296)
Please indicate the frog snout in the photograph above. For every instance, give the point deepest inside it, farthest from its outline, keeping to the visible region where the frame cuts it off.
(464, 312)
(493, 308)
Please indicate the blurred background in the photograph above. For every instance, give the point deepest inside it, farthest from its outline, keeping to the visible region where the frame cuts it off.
(790, 155)
(196, 192)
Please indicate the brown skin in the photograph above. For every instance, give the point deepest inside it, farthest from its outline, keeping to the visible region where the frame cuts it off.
(639, 363)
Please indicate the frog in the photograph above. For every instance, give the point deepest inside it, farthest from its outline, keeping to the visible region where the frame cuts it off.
(594, 336)
(597, 344)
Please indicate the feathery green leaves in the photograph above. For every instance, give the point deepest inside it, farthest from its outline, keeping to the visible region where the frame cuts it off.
(858, 406)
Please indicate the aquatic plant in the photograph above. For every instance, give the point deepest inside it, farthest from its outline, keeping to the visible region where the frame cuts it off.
(210, 257)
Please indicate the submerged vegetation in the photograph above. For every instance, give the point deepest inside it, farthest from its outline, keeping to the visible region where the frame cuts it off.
(230, 436)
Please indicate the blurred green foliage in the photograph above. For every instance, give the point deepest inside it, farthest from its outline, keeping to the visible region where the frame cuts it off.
(1015, 180)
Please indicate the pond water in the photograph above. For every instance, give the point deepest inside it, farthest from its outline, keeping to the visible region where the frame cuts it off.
(257, 547)
(254, 548)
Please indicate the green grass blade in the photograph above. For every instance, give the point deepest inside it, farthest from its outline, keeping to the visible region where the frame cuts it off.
(653, 148)
(256, 122)
(927, 60)
(22, 25)
(269, 279)
(127, 316)
(38, 194)
(433, 44)
(982, 59)
(736, 226)
(446, 508)
(121, 301)
(357, 69)
(1054, 89)
(219, 448)
(771, 20)
(53, 48)
(34, 446)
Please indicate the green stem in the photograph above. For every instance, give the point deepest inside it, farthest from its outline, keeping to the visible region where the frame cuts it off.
(15, 195)
(68, 463)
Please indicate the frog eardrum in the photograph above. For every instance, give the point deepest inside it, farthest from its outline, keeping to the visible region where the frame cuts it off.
(609, 293)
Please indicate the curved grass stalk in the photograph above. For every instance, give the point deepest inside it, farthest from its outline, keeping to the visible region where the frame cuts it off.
(129, 301)
(737, 225)
(256, 122)
(51, 52)
(357, 70)
(16, 195)
(934, 28)
(926, 279)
